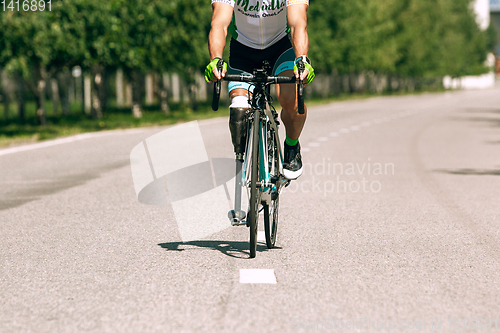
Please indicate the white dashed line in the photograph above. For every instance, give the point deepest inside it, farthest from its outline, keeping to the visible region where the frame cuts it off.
(356, 128)
(261, 236)
(257, 276)
(305, 149)
(61, 141)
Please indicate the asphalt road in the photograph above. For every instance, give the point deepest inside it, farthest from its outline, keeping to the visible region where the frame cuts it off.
(394, 227)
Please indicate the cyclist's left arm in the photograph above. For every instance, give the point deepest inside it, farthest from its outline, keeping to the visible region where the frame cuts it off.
(297, 21)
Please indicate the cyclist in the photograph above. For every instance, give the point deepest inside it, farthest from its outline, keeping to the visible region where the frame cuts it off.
(272, 31)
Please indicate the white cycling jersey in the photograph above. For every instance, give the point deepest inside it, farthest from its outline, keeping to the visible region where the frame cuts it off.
(259, 23)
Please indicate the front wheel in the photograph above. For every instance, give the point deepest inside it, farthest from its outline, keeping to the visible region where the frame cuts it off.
(253, 213)
(271, 209)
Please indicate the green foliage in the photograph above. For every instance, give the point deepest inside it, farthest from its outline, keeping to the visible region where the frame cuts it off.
(402, 37)
(52, 39)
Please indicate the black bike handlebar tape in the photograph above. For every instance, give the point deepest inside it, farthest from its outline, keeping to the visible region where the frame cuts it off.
(217, 86)
(300, 88)
(238, 78)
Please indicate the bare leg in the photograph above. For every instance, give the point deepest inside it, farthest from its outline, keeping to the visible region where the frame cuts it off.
(287, 96)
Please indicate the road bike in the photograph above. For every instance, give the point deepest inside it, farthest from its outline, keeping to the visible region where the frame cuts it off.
(260, 169)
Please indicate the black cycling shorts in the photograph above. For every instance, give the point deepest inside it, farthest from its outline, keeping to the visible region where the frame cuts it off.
(245, 59)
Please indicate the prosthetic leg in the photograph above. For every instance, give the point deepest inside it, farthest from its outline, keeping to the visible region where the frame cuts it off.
(238, 128)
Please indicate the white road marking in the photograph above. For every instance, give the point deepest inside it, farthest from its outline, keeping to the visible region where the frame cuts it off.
(261, 236)
(344, 130)
(314, 144)
(323, 139)
(334, 134)
(305, 149)
(61, 141)
(257, 276)
(355, 128)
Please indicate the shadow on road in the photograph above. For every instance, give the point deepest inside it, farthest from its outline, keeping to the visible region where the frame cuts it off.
(232, 249)
(482, 110)
(473, 172)
(490, 116)
(493, 122)
(21, 193)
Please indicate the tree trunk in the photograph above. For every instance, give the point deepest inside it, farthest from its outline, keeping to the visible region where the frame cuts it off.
(128, 95)
(104, 88)
(149, 89)
(192, 97)
(119, 88)
(136, 93)
(21, 104)
(54, 87)
(5, 94)
(6, 106)
(87, 94)
(41, 112)
(97, 87)
(65, 80)
(164, 94)
(176, 88)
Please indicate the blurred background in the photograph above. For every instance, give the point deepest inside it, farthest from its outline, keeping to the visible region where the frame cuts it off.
(85, 65)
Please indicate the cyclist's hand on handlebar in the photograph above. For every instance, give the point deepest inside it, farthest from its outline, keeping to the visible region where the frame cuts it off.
(308, 74)
(212, 73)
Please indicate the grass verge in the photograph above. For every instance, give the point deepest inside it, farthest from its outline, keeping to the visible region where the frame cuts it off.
(14, 132)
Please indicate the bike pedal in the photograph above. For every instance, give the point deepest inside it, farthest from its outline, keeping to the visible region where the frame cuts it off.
(237, 217)
(236, 223)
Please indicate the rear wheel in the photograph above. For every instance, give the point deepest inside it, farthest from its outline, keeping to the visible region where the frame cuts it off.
(253, 213)
(271, 222)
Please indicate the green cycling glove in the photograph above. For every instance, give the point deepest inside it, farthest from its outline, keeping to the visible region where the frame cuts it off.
(307, 65)
(209, 70)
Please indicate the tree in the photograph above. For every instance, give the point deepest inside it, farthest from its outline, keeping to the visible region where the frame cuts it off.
(39, 44)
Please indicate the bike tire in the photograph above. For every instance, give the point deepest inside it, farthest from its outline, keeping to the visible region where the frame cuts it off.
(253, 214)
(271, 222)
(271, 211)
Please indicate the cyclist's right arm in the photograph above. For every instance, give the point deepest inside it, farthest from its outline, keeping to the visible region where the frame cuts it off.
(221, 18)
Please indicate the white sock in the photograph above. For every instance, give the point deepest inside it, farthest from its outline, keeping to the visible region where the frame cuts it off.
(239, 102)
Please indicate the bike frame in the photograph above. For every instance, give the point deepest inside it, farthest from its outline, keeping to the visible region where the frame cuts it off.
(263, 186)
(267, 125)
